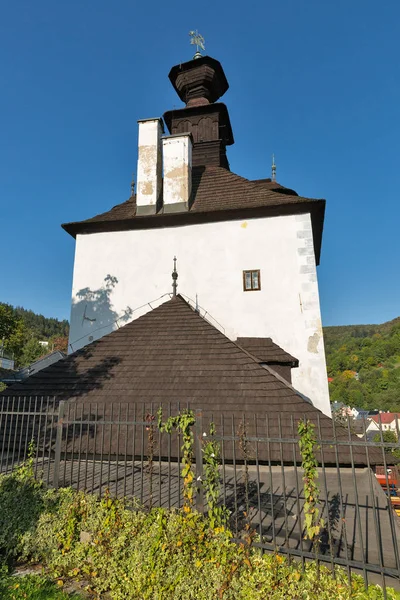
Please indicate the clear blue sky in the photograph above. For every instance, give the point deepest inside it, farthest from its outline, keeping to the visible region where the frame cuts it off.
(318, 83)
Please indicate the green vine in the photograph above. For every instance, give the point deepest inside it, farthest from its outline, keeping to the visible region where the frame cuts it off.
(245, 452)
(26, 470)
(183, 423)
(149, 420)
(308, 445)
(218, 515)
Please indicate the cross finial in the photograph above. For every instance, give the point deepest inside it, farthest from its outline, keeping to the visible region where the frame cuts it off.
(133, 185)
(174, 279)
(197, 40)
(273, 168)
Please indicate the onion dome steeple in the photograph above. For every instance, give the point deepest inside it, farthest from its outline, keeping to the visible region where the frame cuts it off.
(199, 83)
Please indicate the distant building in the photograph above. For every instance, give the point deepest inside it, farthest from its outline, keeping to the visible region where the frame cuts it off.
(385, 421)
(9, 377)
(6, 363)
(40, 364)
(362, 413)
(339, 408)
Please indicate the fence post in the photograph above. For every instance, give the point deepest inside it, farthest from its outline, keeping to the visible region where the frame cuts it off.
(199, 460)
(60, 424)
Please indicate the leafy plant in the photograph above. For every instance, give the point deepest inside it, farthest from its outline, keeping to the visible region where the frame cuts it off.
(129, 554)
(21, 503)
(183, 422)
(149, 419)
(33, 587)
(390, 437)
(218, 515)
(308, 445)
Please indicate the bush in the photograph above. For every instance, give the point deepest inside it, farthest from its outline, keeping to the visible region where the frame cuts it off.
(32, 587)
(21, 503)
(168, 555)
(155, 555)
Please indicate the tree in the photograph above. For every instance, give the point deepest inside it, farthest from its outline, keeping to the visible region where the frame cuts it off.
(8, 321)
(15, 342)
(389, 437)
(58, 343)
(373, 351)
(31, 352)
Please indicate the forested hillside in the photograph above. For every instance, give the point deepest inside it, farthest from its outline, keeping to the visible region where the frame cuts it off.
(42, 327)
(364, 364)
(21, 330)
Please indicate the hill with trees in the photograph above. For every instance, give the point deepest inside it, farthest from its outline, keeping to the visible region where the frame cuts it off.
(363, 364)
(21, 331)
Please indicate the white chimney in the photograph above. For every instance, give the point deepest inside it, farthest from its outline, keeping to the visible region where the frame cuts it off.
(177, 158)
(149, 171)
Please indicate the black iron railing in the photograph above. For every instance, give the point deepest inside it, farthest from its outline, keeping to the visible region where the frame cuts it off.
(118, 447)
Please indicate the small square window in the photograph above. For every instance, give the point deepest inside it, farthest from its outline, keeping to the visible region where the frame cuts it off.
(251, 281)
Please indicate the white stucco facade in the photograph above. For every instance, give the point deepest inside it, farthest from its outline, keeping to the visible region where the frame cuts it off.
(117, 272)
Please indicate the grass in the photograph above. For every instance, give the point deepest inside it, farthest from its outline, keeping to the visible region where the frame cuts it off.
(33, 587)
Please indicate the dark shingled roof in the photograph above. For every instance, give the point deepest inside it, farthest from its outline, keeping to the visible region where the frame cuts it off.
(168, 354)
(267, 351)
(172, 354)
(217, 194)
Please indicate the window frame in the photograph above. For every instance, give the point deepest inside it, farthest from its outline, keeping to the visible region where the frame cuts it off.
(252, 289)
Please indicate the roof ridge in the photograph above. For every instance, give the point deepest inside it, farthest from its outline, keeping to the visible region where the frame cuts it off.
(260, 190)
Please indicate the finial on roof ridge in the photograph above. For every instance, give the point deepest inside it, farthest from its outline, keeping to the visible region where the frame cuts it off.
(174, 279)
(273, 168)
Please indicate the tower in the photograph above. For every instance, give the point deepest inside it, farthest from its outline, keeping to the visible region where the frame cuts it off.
(247, 250)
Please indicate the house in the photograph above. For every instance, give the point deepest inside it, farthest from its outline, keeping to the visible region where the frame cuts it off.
(6, 361)
(348, 411)
(361, 413)
(247, 250)
(339, 408)
(384, 421)
(41, 363)
(9, 377)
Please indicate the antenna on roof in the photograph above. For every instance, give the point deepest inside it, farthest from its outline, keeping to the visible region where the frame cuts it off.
(273, 168)
(174, 279)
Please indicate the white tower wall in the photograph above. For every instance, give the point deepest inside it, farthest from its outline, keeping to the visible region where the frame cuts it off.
(117, 272)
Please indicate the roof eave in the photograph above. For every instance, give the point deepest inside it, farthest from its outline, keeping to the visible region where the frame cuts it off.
(315, 207)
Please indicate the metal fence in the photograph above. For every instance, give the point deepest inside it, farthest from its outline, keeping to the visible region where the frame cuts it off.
(118, 447)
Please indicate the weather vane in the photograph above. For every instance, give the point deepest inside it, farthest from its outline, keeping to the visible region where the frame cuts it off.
(198, 41)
